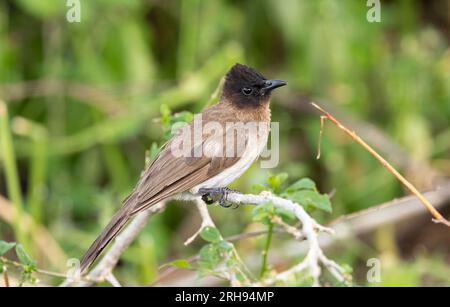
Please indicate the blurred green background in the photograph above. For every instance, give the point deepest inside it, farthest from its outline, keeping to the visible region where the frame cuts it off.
(84, 98)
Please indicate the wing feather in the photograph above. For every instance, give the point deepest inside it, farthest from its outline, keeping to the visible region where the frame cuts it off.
(169, 175)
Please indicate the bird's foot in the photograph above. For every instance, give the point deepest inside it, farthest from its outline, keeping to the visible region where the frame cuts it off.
(212, 195)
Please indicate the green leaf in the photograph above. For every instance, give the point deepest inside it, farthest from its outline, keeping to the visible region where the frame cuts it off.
(210, 234)
(275, 181)
(183, 117)
(209, 256)
(302, 184)
(262, 213)
(154, 151)
(5, 247)
(240, 277)
(23, 256)
(286, 216)
(311, 200)
(224, 246)
(165, 114)
(179, 263)
(258, 188)
(43, 8)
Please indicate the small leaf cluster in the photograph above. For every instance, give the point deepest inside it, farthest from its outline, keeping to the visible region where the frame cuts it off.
(216, 252)
(303, 192)
(170, 122)
(27, 265)
(215, 258)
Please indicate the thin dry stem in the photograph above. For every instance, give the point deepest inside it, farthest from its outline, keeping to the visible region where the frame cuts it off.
(322, 123)
(438, 218)
(6, 278)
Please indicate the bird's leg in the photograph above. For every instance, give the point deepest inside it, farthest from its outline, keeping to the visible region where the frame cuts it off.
(211, 195)
(207, 198)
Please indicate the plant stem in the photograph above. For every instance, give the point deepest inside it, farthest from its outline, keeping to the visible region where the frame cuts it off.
(38, 167)
(188, 37)
(266, 249)
(437, 216)
(40, 271)
(38, 164)
(6, 278)
(12, 178)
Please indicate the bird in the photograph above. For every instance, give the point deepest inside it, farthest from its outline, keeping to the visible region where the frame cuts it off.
(233, 133)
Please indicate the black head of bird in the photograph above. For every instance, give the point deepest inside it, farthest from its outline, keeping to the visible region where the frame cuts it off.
(246, 87)
(245, 99)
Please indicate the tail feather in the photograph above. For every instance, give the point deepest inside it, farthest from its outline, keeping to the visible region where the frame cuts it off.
(117, 223)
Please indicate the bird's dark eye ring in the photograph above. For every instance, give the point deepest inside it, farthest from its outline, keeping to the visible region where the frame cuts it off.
(247, 91)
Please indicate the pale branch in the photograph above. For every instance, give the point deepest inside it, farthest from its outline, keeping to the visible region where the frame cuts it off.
(112, 280)
(346, 227)
(206, 220)
(309, 231)
(296, 233)
(359, 222)
(391, 212)
(103, 270)
(96, 97)
(310, 228)
(165, 271)
(363, 221)
(252, 234)
(398, 211)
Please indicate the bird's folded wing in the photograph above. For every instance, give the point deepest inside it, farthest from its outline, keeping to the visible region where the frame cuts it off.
(171, 174)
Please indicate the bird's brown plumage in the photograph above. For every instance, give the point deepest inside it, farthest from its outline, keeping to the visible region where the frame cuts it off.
(170, 175)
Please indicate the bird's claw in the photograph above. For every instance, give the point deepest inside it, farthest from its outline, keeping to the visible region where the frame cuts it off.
(207, 199)
(212, 195)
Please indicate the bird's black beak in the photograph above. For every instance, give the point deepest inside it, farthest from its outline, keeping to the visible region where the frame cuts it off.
(272, 84)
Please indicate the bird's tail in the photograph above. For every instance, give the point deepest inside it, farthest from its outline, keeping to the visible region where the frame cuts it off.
(115, 225)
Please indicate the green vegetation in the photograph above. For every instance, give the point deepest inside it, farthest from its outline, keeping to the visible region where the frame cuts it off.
(84, 101)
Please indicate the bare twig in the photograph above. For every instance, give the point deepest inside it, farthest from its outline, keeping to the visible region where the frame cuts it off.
(288, 228)
(392, 211)
(5, 277)
(105, 266)
(20, 265)
(310, 228)
(113, 280)
(346, 227)
(43, 240)
(206, 220)
(322, 123)
(422, 171)
(165, 271)
(97, 97)
(438, 218)
(252, 234)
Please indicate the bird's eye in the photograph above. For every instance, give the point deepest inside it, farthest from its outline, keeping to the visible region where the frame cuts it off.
(247, 91)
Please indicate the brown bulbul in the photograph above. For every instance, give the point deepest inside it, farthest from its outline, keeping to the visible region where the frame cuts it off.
(190, 166)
